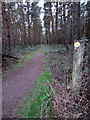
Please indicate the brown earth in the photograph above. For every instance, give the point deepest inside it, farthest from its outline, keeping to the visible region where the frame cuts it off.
(18, 84)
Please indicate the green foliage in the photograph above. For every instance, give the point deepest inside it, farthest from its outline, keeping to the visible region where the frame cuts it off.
(84, 39)
(44, 51)
(37, 103)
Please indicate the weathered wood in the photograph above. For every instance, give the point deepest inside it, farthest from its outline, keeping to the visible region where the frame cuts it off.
(77, 66)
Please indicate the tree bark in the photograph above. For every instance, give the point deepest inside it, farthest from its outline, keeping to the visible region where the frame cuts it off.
(4, 26)
(56, 21)
(52, 24)
(76, 21)
(77, 66)
(24, 43)
(9, 27)
(56, 15)
(88, 21)
(29, 28)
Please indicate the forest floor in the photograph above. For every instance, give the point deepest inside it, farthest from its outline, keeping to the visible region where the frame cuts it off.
(42, 88)
(66, 103)
(19, 83)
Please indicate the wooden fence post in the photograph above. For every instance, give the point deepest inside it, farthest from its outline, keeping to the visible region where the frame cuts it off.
(77, 65)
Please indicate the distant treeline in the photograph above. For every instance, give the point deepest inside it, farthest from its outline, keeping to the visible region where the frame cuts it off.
(63, 23)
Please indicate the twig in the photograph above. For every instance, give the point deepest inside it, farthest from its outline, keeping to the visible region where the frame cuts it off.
(51, 87)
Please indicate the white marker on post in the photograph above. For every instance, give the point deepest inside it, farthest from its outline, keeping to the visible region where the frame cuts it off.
(77, 44)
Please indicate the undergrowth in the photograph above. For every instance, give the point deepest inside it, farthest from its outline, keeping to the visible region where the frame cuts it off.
(68, 103)
(22, 62)
(26, 59)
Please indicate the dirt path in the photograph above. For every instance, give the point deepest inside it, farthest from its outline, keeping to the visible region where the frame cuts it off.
(17, 85)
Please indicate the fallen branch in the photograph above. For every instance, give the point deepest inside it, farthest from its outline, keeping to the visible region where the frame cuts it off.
(10, 56)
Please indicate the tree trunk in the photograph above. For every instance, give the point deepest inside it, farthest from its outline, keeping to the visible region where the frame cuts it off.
(29, 28)
(64, 23)
(6, 22)
(88, 21)
(9, 27)
(49, 34)
(46, 33)
(4, 26)
(24, 43)
(56, 21)
(76, 21)
(13, 43)
(52, 24)
(56, 15)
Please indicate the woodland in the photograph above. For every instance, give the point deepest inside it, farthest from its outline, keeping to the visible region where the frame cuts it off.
(62, 89)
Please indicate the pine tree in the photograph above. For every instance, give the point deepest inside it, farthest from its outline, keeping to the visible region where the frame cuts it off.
(76, 21)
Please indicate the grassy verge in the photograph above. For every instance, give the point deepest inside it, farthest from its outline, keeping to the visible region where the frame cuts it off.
(38, 103)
